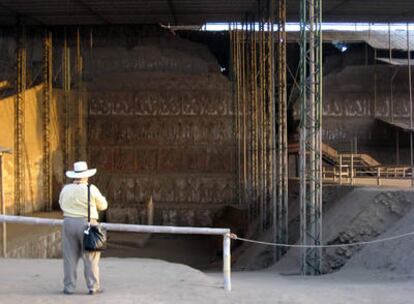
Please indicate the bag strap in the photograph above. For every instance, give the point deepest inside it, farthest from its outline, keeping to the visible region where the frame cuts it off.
(89, 204)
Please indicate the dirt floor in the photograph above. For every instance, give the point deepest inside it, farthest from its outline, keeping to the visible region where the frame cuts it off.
(155, 281)
(381, 273)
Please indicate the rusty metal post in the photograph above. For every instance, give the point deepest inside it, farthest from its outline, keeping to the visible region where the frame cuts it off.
(3, 209)
(410, 88)
(19, 111)
(47, 100)
(282, 170)
(379, 176)
(79, 138)
(66, 79)
(352, 170)
(311, 134)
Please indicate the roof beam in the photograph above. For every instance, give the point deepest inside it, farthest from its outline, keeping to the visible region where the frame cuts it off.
(93, 12)
(19, 16)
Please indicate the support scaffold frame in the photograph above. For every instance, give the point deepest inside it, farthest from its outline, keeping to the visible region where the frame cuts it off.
(311, 134)
(258, 61)
(47, 100)
(19, 111)
(282, 132)
(66, 84)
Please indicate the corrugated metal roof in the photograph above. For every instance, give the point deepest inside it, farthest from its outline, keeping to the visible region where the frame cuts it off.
(185, 12)
(376, 39)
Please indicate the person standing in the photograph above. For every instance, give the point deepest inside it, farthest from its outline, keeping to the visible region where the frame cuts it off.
(73, 201)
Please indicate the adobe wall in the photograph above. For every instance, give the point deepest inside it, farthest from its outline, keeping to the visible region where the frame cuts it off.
(160, 125)
(354, 96)
(33, 149)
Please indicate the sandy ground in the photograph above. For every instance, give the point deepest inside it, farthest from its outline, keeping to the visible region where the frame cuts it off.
(155, 281)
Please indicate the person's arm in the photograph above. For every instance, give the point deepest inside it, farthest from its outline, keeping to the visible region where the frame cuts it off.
(61, 198)
(100, 200)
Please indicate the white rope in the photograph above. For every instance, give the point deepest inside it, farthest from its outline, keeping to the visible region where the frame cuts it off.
(235, 237)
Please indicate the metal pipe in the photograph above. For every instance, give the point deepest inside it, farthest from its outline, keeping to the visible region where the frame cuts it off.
(47, 100)
(225, 232)
(3, 208)
(19, 112)
(244, 88)
(282, 186)
(310, 134)
(397, 147)
(227, 261)
(66, 79)
(411, 105)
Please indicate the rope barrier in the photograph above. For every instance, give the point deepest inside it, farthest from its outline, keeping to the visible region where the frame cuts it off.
(235, 237)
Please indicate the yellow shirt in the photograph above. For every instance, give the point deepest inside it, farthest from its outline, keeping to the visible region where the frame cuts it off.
(73, 201)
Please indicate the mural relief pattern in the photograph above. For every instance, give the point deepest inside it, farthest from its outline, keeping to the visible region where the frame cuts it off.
(176, 146)
(358, 105)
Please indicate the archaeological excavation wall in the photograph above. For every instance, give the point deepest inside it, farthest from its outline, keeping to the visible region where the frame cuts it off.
(160, 126)
(356, 99)
(33, 150)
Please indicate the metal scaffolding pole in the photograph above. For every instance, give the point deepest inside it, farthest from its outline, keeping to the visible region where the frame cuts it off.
(262, 129)
(237, 113)
(410, 89)
(255, 134)
(47, 100)
(3, 204)
(79, 141)
(282, 169)
(253, 123)
(19, 109)
(244, 108)
(66, 79)
(310, 134)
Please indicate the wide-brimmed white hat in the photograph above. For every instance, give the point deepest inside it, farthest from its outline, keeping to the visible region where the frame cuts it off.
(80, 170)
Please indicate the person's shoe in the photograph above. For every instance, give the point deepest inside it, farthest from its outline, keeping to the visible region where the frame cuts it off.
(94, 292)
(67, 292)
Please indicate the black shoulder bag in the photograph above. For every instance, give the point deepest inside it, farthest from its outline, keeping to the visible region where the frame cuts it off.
(94, 236)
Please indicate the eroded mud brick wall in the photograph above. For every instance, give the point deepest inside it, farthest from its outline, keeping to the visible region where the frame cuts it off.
(355, 100)
(160, 125)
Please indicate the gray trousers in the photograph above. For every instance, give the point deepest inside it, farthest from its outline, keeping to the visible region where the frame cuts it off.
(72, 238)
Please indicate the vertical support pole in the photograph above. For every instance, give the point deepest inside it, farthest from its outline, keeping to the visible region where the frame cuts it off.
(232, 76)
(238, 113)
(352, 170)
(19, 145)
(379, 176)
(3, 210)
(261, 119)
(397, 146)
(375, 82)
(79, 138)
(66, 79)
(282, 170)
(227, 261)
(253, 85)
(270, 112)
(356, 144)
(47, 100)
(340, 169)
(310, 134)
(410, 88)
(392, 74)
